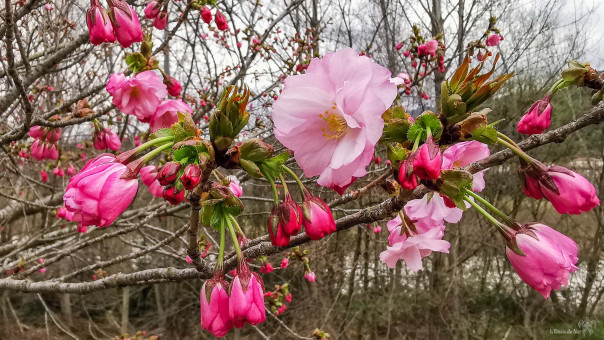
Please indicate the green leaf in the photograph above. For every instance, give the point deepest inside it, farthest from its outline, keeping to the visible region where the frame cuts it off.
(272, 167)
(161, 133)
(251, 168)
(485, 134)
(185, 153)
(179, 133)
(422, 123)
(453, 183)
(395, 130)
(136, 62)
(188, 124)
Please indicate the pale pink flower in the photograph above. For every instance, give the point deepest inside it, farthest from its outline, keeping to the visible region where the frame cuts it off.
(139, 96)
(413, 249)
(463, 154)
(331, 116)
(549, 258)
(166, 113)
(235, 186)
(310, 276)
(98, 194)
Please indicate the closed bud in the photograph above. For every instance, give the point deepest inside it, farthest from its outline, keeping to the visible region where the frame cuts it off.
(191, 176)
(256, 150)
(279, 237)
(575, 72)
(291, 215)
(230, 117)
(173, 195)
(168, 173)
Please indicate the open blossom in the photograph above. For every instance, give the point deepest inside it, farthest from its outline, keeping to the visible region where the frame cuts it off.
(99, 24)
(538, 117)
(139, 96)
(149, 178)
(166, 113)
(463, 154)
(549, 258)
(126, 27)
(235, 186)
(214, 302)
(331, 116)
(98, 194)
(429, 48)
(412, 249)
(494, 40)
(573, 193)
(246, 302)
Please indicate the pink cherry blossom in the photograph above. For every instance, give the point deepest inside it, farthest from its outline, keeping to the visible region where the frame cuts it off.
(494, 40)
(139, 96)
(126, 27)
(284, 263)
(246, 302)
(317, 218)
(428, 48)
(206, 14)
(331, 116)
(538, 117)
(310, 276)
(106, 139)
(428, 160)
(214, 301)
(98, 194)
(463, 154)
(549, 258)
(235, 186)
(413, 249)
(161, 20)
(152, 9)
(166, 113)
(99, 24)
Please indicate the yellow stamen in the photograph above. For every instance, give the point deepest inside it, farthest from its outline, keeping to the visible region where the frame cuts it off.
(335, 123)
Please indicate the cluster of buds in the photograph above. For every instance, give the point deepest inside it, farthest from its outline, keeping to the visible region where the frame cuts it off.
(300, 255)
(154, 11)
(219, 18)
(45, 142)
(277, 299)
(120, 22)
(105, 138)
(230, 117)
(425, 55)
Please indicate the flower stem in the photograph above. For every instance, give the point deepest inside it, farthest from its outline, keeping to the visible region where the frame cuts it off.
(417, 140)
(235, 241)
(221, 249)
(293, 174)
(556, 86)
(284, 184)
(154, 153)
(153, 142)
(494, 209)
(237, 225)
(516, 150)
(484, 213)
(275, 193)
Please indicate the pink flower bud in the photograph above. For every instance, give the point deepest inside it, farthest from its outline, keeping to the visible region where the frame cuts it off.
(318, 220)
(549, 257)
(152, 9)
(191, 176)
(71, 170)
(221, 22)
(285, 263)
(235, 186)
(43, 176)
(161, 20)
(63, 213)
(99, 25)
(538, 117)
(290, 215)
(266, 268)
(288, 297)
(206, 14)
(377, 229)
(58, 172)
(168, 173)
(398, 46)
(310, 276)
(428, 161)
(279, 237)
(174, 87)
(494, 40)
(568, 191)
(246, 302)
(406, 53)
(126, 27)
(98, 194)
(406, 177)
(214, 303)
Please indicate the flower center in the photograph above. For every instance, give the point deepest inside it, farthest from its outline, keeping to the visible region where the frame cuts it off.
(336, 124)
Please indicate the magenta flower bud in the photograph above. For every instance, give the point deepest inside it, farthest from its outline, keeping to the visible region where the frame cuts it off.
(149, 178)
(58, 172)
(173, 195)
(549, 257)
(398, 46)
(98, 194)
(235, 187)
(191, 176)
(71, 170)
(310, 276)
(43, 176)
(99, 25)
(168, 173)
(152, 9)
(161, 20)
(406, 53)
(214, 302)
(428, 160)
(221, 22)
(206, 14)
(174, 87)
(36, 132)
(279, 237)
(37, 150)
(266, 268)
(318, 220)
(246, 302)
(568, 191)
(50, 151)
(285, 263)
(63, 213)
(126, 27)
(290, 215)
(538, 117)
(406, 177)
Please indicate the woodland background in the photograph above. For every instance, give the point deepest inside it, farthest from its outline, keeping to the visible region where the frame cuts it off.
(472, 293)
